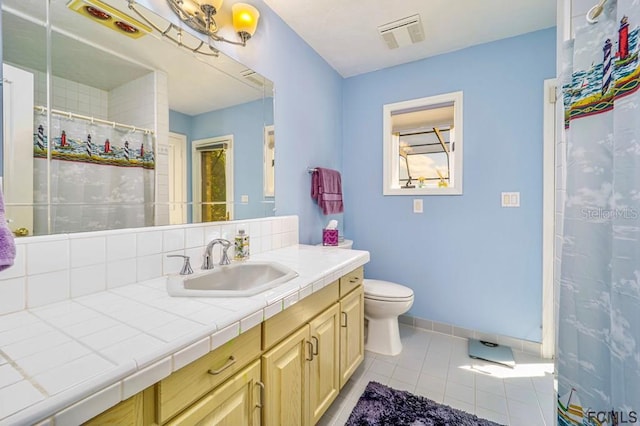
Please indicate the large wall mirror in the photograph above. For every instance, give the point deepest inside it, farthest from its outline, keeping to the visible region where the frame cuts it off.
(100, 113)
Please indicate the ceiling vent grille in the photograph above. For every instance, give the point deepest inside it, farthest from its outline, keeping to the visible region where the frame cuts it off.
(254, 78)
(402, 32)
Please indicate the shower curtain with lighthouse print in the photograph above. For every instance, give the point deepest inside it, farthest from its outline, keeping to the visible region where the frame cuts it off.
(99, 177)
(598, 352)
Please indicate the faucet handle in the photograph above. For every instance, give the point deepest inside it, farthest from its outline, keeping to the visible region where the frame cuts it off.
(224, 258)
(186, 267)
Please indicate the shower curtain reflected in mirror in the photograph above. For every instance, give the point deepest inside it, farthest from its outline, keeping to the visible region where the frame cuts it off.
(100, 176)
(599, 276)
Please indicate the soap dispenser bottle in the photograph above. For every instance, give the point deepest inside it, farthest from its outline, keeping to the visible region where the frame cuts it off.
(241, 245)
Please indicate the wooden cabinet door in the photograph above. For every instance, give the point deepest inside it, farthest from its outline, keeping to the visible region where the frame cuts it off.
(127, 413)
(235, 403)
(285, 373)
(324, 377)
(351, 333)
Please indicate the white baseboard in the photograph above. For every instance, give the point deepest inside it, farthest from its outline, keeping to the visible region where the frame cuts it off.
(534, 348)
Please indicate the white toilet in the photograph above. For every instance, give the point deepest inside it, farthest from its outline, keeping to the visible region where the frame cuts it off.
(384, 301)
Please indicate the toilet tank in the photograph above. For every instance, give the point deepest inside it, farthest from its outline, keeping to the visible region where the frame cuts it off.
(345, 244)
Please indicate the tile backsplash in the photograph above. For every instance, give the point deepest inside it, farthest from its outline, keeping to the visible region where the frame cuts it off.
(52, 268)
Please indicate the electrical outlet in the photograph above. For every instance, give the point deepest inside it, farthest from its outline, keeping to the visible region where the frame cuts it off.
(510, 199)
(417, 205)
(244, 198)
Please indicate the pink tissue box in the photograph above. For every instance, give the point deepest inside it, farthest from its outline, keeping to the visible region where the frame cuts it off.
(329, 237)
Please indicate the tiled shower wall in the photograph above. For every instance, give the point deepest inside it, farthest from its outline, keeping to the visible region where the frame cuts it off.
(52, 268)
(71, 96)
(142, 102)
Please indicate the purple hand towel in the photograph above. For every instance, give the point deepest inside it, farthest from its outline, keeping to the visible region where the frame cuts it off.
(7, 244)
(326, 190)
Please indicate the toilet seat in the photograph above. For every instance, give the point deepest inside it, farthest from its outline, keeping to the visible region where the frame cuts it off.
(386, 291)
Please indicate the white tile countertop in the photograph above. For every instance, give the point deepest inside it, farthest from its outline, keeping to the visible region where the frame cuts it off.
(71, 360)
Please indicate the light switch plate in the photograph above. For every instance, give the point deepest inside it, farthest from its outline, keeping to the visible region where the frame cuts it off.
(510, 199)
(417, 205)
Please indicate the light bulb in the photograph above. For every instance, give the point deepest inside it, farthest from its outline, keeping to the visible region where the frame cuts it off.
(216, 4)
(245, 19)
(190, 7)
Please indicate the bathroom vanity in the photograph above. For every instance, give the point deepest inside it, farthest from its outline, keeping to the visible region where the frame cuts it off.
(278, 357)
(287, 370)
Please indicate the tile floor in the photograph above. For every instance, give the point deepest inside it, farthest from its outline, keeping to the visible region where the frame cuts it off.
(437, 366)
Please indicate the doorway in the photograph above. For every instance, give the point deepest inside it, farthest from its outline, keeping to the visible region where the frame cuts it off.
(212, 165)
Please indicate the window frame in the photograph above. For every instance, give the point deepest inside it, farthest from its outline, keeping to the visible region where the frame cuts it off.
(391, 151)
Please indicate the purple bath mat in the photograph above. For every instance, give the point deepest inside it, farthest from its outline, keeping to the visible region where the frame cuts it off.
(382, 405)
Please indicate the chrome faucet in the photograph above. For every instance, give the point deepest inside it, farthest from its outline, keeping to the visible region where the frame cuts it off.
(207, 262)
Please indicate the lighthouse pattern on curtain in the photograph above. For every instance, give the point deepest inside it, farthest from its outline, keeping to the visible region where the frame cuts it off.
(99, 177)
(83, 141)
(593, 91)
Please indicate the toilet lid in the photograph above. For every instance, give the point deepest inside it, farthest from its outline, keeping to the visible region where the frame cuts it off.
(386, 290)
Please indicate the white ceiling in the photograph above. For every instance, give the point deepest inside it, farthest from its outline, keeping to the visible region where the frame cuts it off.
(344, 32)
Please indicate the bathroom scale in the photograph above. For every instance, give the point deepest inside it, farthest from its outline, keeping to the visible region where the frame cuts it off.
(492, 352)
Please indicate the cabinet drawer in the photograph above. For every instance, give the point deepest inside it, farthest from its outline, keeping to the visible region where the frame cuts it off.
(352, 280)
(189, 383)
(236, 402)
(286, 322)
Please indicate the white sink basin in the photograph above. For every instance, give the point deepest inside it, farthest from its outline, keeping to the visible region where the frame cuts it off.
(236, 280)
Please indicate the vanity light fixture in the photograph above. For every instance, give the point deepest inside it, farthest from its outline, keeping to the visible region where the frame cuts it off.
(199, 15)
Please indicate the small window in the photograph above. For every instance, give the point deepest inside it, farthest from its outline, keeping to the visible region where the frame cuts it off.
(423, 146)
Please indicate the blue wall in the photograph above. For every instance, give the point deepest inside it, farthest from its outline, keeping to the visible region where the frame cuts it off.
(308, 115)
(308, 110)
(481, 264)
(245, 123)
(180, 123)
(470, 262)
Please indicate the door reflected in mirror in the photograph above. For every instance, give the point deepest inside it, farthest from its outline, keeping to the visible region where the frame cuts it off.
(213, 179)
(104, 126)
(269, 161)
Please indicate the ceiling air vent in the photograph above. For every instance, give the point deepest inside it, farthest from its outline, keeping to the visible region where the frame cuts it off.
(402, 32)
(254, 78)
